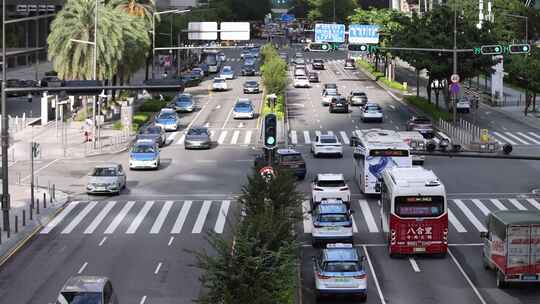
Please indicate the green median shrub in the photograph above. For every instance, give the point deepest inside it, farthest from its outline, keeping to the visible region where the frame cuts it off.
(153, 105)
(428, 108)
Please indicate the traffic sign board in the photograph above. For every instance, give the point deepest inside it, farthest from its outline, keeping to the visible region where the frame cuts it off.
(491, 49)
(454, 78)
(329, 32)
(363, 33)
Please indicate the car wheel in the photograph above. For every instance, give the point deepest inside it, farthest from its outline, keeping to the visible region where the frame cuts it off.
(340, 155)
(501, 283)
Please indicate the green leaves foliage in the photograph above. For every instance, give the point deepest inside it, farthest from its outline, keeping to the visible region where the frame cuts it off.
(323, 10)
(273, 71)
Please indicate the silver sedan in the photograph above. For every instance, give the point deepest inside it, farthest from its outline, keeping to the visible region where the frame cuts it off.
(198, 138)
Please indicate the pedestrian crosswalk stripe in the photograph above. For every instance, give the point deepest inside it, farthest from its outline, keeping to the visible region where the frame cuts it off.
(518, 205)
(199, 223)
(79, 217)
(306, 216)
(294, 138)
(161, 217)
(368, 216)
(307, 139)
(504, 138)
(498, 204)
(358, 133)
(50, 226)
(235, 137)
(140, 217)
(534, 134)
(454, 221)
(345, 138)
(529, 138)
(481, 206)
(517, 138)
(354, 227)
(181, 140)
(247, 139)
(534, 202)
(222, 136)
(99, 218)
(118, 219)
(470, 215)
(181, 219)
(222, 216)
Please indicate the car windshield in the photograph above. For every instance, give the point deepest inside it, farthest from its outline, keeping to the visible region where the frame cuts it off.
(317, 61)
(331, 92)
(372, 109)
(342, 267)
(152, 130)
(328, 140)
(251, 83)
(332, 217)
(219, 80)
(167, 116)
(143, 149)
(242, 105)
(358, 94)
(184, 99)
(331, 183)
(103, 172)
(227, 70)
(196, 71)
(197, 131)
(291, 158)
(80, 298)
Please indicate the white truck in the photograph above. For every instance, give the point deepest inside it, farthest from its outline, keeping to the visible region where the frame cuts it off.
(512, 246)
(417, 142)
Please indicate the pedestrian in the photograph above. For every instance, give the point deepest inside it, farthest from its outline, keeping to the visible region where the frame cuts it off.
(87, 127)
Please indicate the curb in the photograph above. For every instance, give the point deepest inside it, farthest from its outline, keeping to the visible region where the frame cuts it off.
(15, 249)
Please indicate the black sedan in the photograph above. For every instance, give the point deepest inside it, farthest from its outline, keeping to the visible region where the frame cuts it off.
(313, 77)
(339, 104)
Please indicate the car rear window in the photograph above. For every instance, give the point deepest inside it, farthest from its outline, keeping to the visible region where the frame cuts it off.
(328, 140)
(333, 217)
(342, 267)
(373, 109)
(331, 183)
(422, 121)
(291, 158)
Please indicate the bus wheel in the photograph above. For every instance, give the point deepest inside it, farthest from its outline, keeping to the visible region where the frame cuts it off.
(501, 283)
(485, 262)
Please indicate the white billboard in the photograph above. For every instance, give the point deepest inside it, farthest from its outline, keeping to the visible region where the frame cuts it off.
(202, 30)
(234, 30)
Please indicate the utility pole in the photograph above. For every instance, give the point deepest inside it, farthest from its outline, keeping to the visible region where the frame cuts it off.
(335, 11)
(454, 53)
(95, 72)
(5, 134)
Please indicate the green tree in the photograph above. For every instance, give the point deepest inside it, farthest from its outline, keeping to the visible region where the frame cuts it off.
(323, 10)
(273, 71)
(523, 70)
(137, 8)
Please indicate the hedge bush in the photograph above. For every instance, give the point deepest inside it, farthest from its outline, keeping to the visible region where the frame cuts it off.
(153, 105)
(428, 108)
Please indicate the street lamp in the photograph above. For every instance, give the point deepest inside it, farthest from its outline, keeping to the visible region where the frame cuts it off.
(154, 14)
(5, 134)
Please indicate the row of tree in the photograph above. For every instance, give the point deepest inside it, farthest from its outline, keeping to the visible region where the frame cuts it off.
(259, 265)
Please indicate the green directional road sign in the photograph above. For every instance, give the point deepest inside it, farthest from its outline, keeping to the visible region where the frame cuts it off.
(520, 48)
(491, 49)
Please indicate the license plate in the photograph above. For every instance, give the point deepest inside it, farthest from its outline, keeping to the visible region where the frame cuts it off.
(419, 249)
(343, 280)
(331, 228)
(100, 188)
(529, 277)
(294, 166)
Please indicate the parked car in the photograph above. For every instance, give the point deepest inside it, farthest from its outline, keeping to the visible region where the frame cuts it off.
(227, 72)
(184, 102)
(317, 64)
(331, 223)
(421, 124)
(198, 138)
(372, 112)
(251, 86)
(326, 144)
(106, 179)
(219, 84)
(329, 186)
(243, 108)
(15, 83)
(168, 119)
(301, 82)
(313, 77)
(358, 98)
(153, 132)
(350, 64)
(144, 154)
(88, 290)
(339, 104)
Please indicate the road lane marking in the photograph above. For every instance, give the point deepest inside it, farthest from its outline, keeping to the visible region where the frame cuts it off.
(504, 138)
(455, 222)
(294, 137)
(82, 268)
(79, 217)
(481, 206)
(118, 219)
(161, 217)
(102, 241)
(99, 218)
(414, 265)
(222, 136)
(498, 204)
(306, 216)
(354, 227)
(307, 139)
(227, 119)
(247, 138)
(171, 137)
(235, 136)
(392, 106)
(222, 216)
(140, 217)
(466, 277)
(379, 290)
(199, 223)
(170, 241)
(345, 137)
(517, 204)
(181, 140)
(177, 228)
(517, 138)
(158, 267)
(529, 138)
(479, 226)
(368, 216)
(143, 300)
(50, 226)
(534, 202)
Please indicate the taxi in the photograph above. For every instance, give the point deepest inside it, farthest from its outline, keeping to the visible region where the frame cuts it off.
(332, 222)
(339, 270)
(144, 155)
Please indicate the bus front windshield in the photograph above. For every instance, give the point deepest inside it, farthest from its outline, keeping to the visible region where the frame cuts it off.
(419, 206)
(211, 59)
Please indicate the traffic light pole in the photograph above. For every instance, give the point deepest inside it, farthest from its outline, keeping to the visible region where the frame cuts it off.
(454, 53)
(5, 134)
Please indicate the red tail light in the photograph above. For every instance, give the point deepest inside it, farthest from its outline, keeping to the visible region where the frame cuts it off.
(322, 277)
(361, 277)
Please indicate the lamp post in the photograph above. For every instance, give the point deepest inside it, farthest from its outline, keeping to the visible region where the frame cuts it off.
(454, 55)
(5, 134)
(154, 14)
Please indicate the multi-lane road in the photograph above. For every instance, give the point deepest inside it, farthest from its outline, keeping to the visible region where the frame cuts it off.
(139, 239)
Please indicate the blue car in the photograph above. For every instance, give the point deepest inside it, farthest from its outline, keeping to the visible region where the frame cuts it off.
(144, 155)
(184, 103)
(227, 72)
(168, 120)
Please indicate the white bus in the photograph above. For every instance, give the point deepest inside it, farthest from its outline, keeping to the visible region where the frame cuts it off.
(376, 150)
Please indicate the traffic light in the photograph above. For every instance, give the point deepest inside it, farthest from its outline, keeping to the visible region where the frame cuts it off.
(491, 49)
(358, 47)
(316, 46)
(520, 48)
(270, 131)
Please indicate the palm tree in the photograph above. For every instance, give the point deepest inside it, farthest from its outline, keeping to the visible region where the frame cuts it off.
(138, 8)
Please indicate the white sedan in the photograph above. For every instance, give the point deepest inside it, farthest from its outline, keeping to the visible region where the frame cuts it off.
(301, 82)
(326, 144)
(330, 186)
(372, 112)
(219, 84)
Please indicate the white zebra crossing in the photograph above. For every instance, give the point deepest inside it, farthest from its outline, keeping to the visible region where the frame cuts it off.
(517, 138)
(161, 217)
(506, 139)
(201, 218)
(181, 219)
(102, 214)
(344, 137)
(118, 219)
(222, 136)
(235, 136)
(140, 217)
(247, 138)
(455, 222)
(50, 226)
(79, 218)
(307, 139)
(529, 138)
(479, 226)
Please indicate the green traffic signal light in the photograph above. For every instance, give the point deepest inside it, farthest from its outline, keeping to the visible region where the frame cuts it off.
(520, 48)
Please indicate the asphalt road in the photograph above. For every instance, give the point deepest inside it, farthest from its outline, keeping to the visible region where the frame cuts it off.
(139, 239)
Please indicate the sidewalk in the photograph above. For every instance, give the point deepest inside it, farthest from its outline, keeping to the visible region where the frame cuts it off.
(20, 201)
